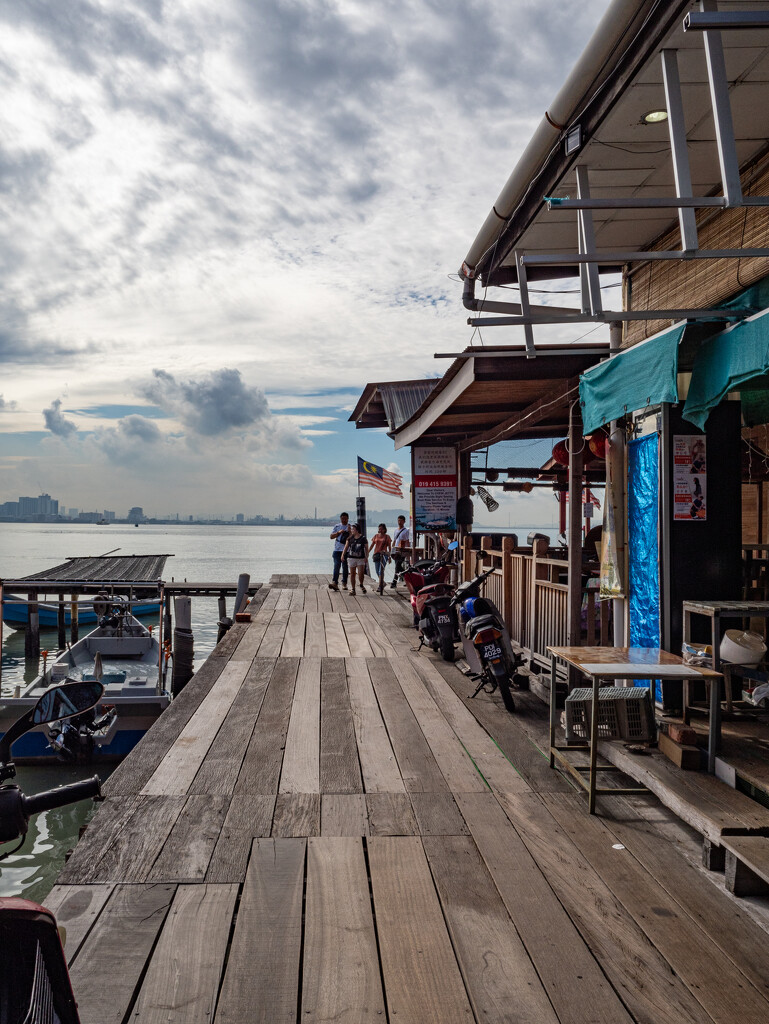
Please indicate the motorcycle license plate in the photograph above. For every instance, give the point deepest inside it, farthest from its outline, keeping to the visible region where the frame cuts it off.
(491, 651)
(444, 619)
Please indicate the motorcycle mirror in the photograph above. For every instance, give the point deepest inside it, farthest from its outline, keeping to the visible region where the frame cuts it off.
(58, 702)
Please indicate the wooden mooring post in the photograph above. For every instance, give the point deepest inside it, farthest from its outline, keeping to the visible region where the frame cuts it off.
(74, 624)
(60, 623)
(32, 634)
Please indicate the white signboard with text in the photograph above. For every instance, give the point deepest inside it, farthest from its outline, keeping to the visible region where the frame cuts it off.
(435, 489)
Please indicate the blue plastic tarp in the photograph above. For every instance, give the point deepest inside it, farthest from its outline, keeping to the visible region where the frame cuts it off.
(645, 374)
(643, 543)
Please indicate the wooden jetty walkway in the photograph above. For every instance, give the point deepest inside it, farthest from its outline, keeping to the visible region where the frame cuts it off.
(322, 828)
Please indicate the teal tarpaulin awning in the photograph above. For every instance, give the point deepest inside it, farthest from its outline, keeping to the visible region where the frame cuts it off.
(643, 375)
(726, 362)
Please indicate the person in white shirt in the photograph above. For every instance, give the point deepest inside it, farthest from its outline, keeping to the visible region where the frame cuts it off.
(339, 535)
(401, 544)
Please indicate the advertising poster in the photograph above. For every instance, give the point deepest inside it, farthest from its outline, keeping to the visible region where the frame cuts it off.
(435, 488)
(690, 489)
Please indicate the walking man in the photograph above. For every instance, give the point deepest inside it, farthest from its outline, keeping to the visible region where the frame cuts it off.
(380, 548)
(400, 548)
(339, 535)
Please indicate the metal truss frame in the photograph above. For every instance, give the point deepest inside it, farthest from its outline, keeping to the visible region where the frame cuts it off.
(711, 22)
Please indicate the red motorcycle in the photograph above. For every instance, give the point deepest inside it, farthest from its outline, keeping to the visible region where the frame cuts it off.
(434, 614)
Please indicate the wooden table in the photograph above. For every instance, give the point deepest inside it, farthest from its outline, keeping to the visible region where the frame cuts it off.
(609, 664)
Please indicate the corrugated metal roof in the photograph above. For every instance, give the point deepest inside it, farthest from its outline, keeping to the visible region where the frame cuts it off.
(401, 401)
(110, 568)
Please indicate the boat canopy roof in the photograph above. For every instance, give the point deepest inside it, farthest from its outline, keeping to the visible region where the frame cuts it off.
(109, 568)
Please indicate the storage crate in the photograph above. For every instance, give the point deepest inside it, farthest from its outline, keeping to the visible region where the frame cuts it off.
(624, 712)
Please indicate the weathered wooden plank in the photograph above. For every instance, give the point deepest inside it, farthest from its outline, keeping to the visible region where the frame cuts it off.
(340, 971)
(260, 770)
(187, 850)
(301, 760)
(249, 817)
(339, 764)
(356, 636)
(644, 980)
(272, 642)
(296, 815)
(76, 908)
(575, 984)
(228, 644)
(293, 641)
(249, 645)
(336, 641)
(437, 814)
(337, 601)
(175, 773)
(493, 765)
(106, 825)
(343, 814)
(324, 600)
(311, 599)
(271, 597)
(261, 980)
(509, 731)
(284, 600)
(381, 647)
(391, 814)
(182, 981)
(133, 773)
(219, 770)
(424, 987)
(724, 993)
(379, 766)
(131, 854)
(297, 600)
(127, 927)
(418, 767)
(315, 636)
(452, 758)
(501, 981)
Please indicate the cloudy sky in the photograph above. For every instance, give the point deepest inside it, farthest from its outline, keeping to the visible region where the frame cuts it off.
(220, 218)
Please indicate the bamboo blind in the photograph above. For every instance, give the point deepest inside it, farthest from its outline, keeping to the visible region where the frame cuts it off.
(702, 283)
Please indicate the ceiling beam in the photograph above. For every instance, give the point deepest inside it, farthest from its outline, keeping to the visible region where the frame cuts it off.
(537, 412)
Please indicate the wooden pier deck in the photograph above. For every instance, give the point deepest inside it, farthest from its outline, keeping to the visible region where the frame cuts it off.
(322, 828)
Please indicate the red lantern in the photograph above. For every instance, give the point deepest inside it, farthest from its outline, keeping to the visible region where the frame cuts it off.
(597, 444)
(561, 453)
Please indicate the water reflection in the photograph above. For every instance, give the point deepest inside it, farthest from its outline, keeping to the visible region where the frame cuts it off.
(32, 871)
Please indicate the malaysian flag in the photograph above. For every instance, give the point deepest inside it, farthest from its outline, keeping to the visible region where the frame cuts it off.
(380, 478)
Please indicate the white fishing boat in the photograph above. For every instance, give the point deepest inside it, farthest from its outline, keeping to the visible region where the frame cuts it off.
(126, 658)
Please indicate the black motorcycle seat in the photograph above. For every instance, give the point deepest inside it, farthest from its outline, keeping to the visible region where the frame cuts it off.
(480, 621)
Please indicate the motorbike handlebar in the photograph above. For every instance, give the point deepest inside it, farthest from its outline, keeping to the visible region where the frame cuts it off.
(51, 798)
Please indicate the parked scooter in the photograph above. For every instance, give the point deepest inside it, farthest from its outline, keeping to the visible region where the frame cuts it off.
(434, 614)
(34, 983)
(486, 642)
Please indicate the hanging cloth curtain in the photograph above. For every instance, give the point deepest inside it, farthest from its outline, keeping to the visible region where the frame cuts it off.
(645, 374)
(724, 363)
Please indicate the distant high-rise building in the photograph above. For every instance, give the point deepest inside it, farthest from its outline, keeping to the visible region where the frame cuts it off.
(136, 514)
(27, 506)
(240, 518)
(72, 512)
(10, 509)
(109, 516)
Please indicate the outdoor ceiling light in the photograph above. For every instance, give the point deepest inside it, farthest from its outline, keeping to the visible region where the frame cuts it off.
(654, 117)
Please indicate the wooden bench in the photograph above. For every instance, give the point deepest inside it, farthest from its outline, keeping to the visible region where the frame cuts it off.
(747, 865)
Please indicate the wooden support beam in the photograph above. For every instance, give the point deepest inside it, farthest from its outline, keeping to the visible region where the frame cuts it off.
(528, 417)
(576, 445)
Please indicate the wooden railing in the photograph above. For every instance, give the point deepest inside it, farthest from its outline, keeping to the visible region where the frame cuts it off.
(531, 590)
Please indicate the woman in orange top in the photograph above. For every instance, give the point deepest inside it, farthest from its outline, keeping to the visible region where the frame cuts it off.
(380, 549)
